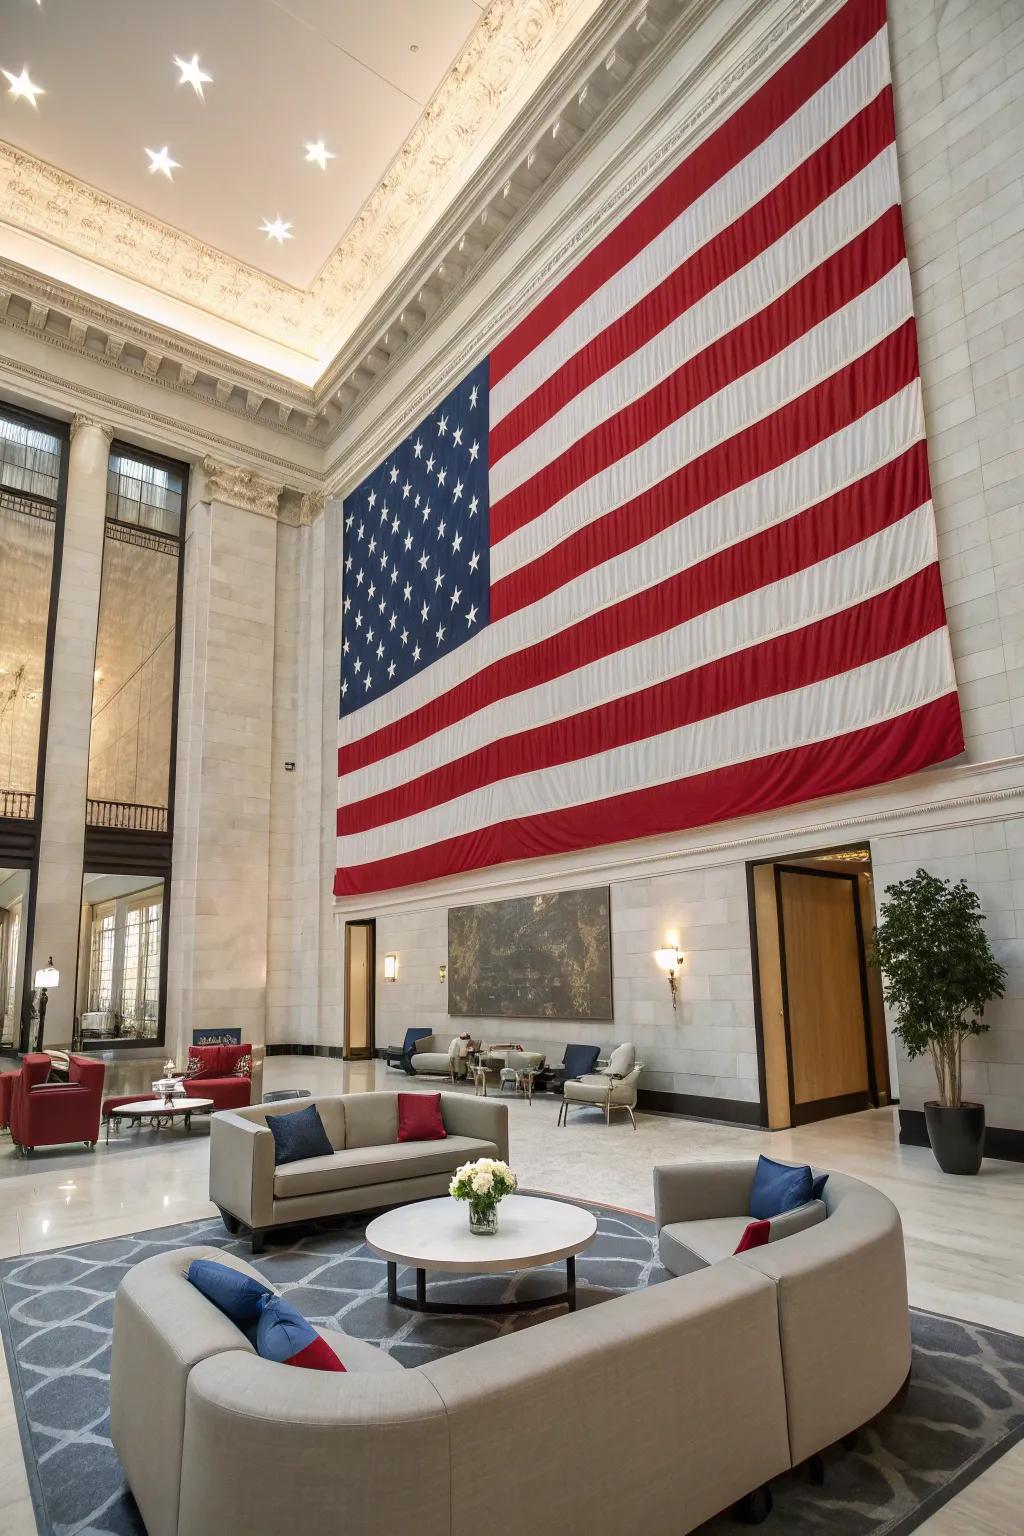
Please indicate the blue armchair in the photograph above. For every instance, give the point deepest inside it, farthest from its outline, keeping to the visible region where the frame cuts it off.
(399, 1055)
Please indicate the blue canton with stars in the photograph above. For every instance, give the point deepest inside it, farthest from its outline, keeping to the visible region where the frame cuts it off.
(416, 570)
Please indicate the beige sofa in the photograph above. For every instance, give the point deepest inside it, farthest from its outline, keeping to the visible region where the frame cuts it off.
(368, 1168)
(840, 1277)
(650, 1412)
(434, 1056)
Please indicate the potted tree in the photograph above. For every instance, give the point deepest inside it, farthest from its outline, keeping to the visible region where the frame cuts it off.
(938, 973)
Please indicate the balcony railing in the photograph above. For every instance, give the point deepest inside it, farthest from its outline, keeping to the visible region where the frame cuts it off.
(19, 804)
(125, 817)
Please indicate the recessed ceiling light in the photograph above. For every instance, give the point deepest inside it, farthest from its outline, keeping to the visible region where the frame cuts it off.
(319, 154)
(22, 88)
(276, 230)
(160, 160)
(192, 75)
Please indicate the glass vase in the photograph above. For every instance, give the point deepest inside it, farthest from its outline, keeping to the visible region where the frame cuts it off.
(483, 1219)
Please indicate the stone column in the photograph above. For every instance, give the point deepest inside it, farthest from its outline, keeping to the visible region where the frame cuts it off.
(66, 777)
(217, 961)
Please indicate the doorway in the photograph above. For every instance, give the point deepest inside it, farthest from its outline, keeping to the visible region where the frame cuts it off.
(360, 991)
(822, 1021)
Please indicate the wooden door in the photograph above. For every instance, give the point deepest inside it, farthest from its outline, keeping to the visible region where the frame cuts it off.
(360, 966)
(824, 993)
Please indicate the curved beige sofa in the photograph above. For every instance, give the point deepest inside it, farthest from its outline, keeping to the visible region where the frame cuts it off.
(841, 1287)
(368, 1168)
(651, 1412)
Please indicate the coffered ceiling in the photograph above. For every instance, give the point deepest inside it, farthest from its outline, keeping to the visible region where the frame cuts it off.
(249, 172)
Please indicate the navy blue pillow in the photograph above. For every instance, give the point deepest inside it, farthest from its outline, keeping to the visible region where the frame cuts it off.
(298, 1135)
(778, 1188)
(238, 1296)
(818, 1185)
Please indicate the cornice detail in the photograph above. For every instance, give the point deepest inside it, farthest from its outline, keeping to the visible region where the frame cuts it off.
(584, 223)
(53, 390)
(44, 201)
(241, 488)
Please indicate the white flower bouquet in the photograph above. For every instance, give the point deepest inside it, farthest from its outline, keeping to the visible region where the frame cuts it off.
(483, 1184)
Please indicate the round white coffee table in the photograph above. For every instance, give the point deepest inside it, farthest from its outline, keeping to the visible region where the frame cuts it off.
(434, 1234)
(160, 1112)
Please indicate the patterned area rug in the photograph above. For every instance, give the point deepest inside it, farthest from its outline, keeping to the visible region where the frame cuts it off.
(965, 1406)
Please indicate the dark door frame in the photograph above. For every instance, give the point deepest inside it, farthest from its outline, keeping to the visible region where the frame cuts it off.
(843, 1104)
(371, 988)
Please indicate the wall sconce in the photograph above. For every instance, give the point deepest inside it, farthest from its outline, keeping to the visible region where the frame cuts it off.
(670, 959)
(442, 972)
(390, 967)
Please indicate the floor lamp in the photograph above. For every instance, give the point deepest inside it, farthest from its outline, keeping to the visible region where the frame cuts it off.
(46, 979)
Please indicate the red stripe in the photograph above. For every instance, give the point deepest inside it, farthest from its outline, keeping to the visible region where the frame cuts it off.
(842, 277)
(810, 418)
(780, 96)
(868, 505)
(889, 750)
(876, 627)
(856, 144)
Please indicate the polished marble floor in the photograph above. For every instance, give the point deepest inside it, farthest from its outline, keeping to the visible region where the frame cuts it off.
(965, 1237)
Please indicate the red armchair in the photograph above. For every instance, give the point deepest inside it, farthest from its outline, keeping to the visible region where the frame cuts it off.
(7, 1082)
(44, 1114)
(230, 1075)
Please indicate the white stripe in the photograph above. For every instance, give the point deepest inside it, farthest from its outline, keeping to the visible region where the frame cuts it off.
(879, 690)
(851, 209)
(840, 581)
(838, 100)
(821, 470)
(805, 363)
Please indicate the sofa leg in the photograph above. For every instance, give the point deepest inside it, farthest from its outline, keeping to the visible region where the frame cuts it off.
(232, 1223)
(91, 1146)
(629, 1112)
(815, 1469)
(851, 1441)
(259, 1242)
(754, 1508)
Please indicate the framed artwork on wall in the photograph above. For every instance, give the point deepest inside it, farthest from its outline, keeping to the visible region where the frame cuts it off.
(534, 957)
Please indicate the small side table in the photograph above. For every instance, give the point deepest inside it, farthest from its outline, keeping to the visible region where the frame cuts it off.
(478, 1072)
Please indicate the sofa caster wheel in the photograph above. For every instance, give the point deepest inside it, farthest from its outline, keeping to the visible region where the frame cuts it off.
(755, 1508)
(232, 1223)
(91, 1146)
(815, 1469)
(259, 1243)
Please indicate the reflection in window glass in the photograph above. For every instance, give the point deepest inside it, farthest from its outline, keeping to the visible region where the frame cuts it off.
(14, 886)
(133, 686)
(119, 967)
(29, 477)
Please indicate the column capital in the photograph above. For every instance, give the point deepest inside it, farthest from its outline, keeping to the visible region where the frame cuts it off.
(241, 488)
(79, 421)
(311, 506)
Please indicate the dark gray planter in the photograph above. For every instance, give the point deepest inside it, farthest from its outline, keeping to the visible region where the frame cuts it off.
(957, 1136)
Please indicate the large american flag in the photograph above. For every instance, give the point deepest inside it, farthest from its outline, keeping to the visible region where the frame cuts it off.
(667, 556)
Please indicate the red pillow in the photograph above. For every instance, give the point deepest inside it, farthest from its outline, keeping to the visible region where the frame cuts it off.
(203, 1061)
(419, 1117)
(755, 1235)
(231, 1057)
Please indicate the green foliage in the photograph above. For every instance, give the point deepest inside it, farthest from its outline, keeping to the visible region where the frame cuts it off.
(938, 971)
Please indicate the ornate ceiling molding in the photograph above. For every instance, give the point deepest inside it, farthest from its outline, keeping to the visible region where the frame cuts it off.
(689, 112)
(41, 200)
(241, 488)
